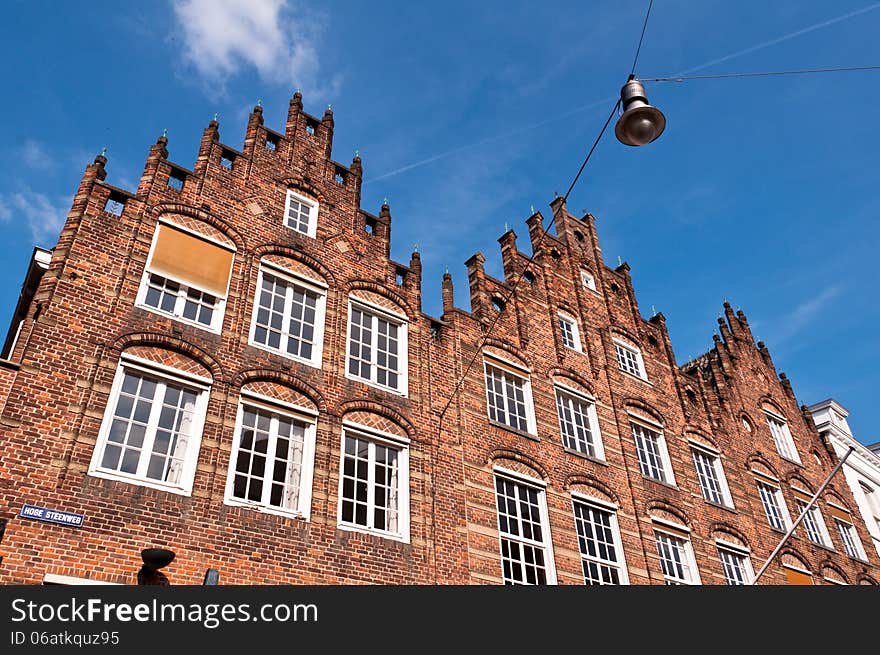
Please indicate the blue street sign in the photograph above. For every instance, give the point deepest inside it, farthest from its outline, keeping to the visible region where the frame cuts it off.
(51, 515)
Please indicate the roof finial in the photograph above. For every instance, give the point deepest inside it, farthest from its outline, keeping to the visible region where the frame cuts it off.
(653, 311)
(446, 271)
(259, 102)
(215, 116)
(104, 151)
(415, 247)
(165, 132)
(329, 107)
(506, 228)
(619, 260)
(357, 153)
(385, 200)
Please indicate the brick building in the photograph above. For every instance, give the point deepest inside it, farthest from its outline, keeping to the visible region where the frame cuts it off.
(227, 363)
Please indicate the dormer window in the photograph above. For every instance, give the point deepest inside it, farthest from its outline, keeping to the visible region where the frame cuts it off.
(301, 214)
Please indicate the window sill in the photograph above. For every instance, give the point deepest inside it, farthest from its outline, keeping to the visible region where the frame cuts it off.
(636, 377)
(792, 461)
(180, 319)
(138, 482)
(590, 458)
(576, 351)
(722, 506)
(375, 385)
(661, 482)
(347, 527)
(508, 428)
(262, 509)
(293, 358)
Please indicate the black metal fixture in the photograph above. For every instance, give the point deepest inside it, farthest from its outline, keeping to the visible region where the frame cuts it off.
(154, 559)
(640, 123)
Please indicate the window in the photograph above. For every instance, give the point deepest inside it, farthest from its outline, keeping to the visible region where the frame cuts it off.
(795, 576)
(653, 457)
(374, 483)
(568, 328)
(774, 506)
(377, 347)
(588, 281)
(301, 214)
(813, 523)
(578, 423)
(852, 545)
(736, 565)
(599, 542)
(152, 428)
(713, 484)
(288, 315)
(509, 396)
(676, 559)
(526, 556)
(271, 462)
(187, 277)
(782, 437)
(873, 508)
(629, 359)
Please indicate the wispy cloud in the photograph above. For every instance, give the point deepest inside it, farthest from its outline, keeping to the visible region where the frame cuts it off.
(43, 216)
(793, 322)
(222, 38)
(34, 155)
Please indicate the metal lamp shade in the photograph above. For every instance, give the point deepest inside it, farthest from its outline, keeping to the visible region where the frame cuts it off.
(640, 123)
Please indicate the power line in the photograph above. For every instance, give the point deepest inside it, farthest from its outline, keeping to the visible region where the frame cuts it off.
(801, 71)
(641, 38)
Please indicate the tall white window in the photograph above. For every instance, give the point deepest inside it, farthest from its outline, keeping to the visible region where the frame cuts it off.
(526, 555)
(782, 437)
(509, 396)
(814, 524)
(568, 329)
(288, 316)
(271, 462)
(629, 359)
(377, 347)
(736, 564)
(676, 558)
(301, 214)
(873, 501)
(599, 543)
(186, 277)
(374, 483)
(152, 428)
(713, 484)
(578, 423)
(774, 506)
(588, 281)
(852, 545)
(653, 457)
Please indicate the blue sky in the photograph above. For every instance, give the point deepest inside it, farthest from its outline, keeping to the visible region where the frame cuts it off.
(762, 191)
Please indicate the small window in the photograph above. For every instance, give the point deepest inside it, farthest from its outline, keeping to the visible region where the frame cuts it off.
(310, 127)
(272, 142)
(736, 564)
(509, 396)
(227, 159)
(186, 277)
(578, 235)
(399, 277)
(852, 545)
(301, 214)
(653, 457)
(339, 176)
(497, 304)
(377, 347)
(529, 278)
(782, 437)
(152, 429)
(629, 359)
(814, 524)
(524, 533)
(713, 484)
(747, 425)
(115, 204)
(176, 179)
(374, 484)
(588, 281)
(578, 423)
(600, 546)
(676, 558)
(774, 506)
(568, 329)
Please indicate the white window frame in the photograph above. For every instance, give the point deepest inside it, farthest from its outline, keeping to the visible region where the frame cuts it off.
(402, 324)
(737, 551)
(634, 350)
(547, 542)
(718, 470)
(508, 368)
(853, 546)
(665, 461)
(308, 284)
(782, 437)
(588, 280)
(815, 516)
(300, 414)
(401, 445)
(313, 212)
(592, 417)
(611, 510)
(164, 374)
(177, 313)
(682, 534)
(872, 502)
(779, 499)
(572, 323)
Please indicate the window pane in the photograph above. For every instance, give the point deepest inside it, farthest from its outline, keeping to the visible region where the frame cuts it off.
(521, 533)
(597, 546)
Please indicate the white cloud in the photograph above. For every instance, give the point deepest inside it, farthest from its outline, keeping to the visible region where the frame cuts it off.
(223, 37)
(44, 218)
(33, 155)
(803, 315)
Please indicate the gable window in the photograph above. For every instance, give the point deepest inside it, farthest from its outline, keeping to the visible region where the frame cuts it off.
(782, 437)
(795, 576)
(152, 428)
(629, 359)
(774, 506)
(735, 563)
(509, 396)
(852, 545)
(578, 423)
(271, 462)
(374, 483)
(599, 543)
(526, 555)
(301, 214)
(713, 484)
(814, 524)
(187, 277)
(288, 315)
(676, 558)
(588, 281)
(377, 346)
(568, 330)
(653, 457)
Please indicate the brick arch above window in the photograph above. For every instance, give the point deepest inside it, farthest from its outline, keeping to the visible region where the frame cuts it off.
(518, 462)
(591, 486)
(201, 221)
(770, 405)
(867, 580)
(642, 409)
(198, 226)
(379, 417)
(280, 392)
(286, 253)
(626, 337)
(832, 572)
(294, 265)
(791, 557)
(284, 384)
(757, 463)
(571, 379)
(299, 185)
(664, 511)
(796, 481)
(729, 533)
(166, 343)
(380, 296)
(697, 434)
